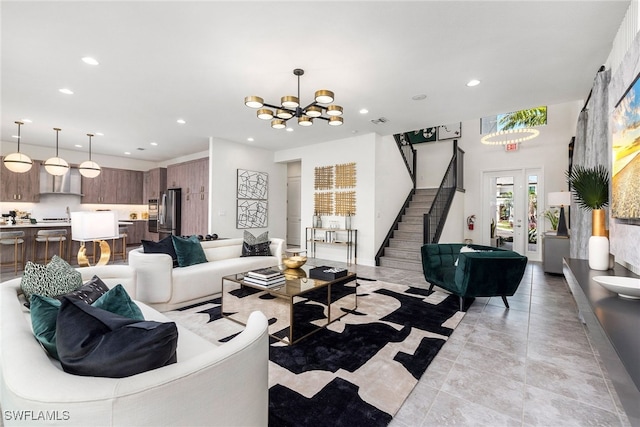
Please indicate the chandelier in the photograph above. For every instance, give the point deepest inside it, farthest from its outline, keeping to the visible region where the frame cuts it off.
(510, 136)
(290, 108)
(56, 165)
(89, 168)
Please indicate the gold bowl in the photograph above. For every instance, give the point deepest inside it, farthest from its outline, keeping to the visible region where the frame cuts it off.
(295, 261)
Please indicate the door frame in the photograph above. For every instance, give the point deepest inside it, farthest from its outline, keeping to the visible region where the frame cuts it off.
(522, 205)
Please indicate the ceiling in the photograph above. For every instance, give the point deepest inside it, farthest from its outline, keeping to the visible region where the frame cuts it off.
(160, 61)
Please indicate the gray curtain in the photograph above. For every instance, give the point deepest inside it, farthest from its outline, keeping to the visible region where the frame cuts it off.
(591, 148)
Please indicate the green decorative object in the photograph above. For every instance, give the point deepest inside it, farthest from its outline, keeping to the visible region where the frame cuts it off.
(590, 186)
(553, 217)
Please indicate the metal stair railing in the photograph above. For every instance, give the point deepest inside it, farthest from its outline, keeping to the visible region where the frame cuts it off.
(453, 180)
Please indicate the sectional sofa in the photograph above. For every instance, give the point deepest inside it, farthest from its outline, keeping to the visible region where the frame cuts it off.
(165, 287)
(212, 385)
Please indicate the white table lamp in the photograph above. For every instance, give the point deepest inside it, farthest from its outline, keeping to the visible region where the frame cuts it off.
(97, 226)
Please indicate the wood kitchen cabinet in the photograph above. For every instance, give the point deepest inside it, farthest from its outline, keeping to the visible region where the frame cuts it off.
(136, 232)
(21, 187)
(113, 186)
(155, 183)
(193, 178)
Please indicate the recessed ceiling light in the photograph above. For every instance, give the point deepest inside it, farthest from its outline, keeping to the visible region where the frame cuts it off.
(289, 129)
(181, 121)
(66, 91)
(419, 97)
(250, 139)
(78, 146)
(89, 60)
(127, 153)
(153, 143)
(99, 134)
(364, 111)
(473, 83)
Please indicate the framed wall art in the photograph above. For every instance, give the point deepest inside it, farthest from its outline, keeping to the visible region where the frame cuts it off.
(251, 213)
(252, 185)
(451, 131)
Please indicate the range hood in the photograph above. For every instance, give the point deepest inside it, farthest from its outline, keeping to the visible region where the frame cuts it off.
(69, 183)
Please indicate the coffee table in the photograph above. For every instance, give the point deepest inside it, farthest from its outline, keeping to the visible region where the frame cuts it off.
(295, 309)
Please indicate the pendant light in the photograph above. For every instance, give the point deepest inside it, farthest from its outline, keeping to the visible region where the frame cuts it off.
(18, 162)
(56, 165)
(89, 168)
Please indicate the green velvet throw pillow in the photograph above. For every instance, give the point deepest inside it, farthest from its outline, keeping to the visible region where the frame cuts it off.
(189, 251)
(55, 278)
(44, 314)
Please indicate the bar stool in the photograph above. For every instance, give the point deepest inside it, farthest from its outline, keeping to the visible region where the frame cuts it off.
(46, 236)
(123, 233)
(15, 238)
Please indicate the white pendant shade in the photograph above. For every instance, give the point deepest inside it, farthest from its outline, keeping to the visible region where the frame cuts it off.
(335, 121)
(89, 169)
(305, 121)
(18, 162)
(313, 111)
(324, 96)
(56, 166)
(265, 114)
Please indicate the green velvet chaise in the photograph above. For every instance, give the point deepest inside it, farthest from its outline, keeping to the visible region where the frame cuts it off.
(487, 272)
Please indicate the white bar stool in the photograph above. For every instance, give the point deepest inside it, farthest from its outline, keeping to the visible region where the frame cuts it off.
(46, 236)
(15, 238)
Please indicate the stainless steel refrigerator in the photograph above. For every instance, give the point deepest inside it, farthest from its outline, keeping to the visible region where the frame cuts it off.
(169, 213)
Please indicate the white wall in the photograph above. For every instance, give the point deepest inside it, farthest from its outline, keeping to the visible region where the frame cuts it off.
(381, 187)
(224, 160)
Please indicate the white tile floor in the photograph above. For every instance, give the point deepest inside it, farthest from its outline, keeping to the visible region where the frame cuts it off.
(531, 365)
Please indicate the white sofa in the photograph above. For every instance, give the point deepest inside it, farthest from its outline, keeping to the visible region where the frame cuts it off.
(225, 385)
(165, 288)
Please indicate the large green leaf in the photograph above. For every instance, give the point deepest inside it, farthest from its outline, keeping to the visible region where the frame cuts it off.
(590, 186)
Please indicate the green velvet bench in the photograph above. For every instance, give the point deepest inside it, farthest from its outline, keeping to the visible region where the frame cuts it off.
(485, 272)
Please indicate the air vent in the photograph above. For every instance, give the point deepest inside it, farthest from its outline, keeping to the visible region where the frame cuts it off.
(380, 120)
(140, 149)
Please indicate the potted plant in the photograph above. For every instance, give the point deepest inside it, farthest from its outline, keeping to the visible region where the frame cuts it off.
(553, 217)
(590, 188)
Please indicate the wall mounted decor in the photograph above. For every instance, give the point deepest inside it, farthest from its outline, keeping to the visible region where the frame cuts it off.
(419, 136)
(252, 185)
(453, 130)
(323, 203)
(251, 213)
(345, 203)
(346, 175)
(323, 179)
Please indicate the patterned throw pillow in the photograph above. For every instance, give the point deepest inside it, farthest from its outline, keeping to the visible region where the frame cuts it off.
(256, 246)
(53, 279)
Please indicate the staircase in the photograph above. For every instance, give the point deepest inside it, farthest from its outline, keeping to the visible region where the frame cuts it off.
(403, 251)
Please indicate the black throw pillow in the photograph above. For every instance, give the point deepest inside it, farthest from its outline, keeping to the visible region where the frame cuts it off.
(89, 292)
(94, 342)
(164, 246)
(260, 249)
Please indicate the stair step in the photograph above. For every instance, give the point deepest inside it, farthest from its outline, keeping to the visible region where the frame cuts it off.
(413, 227)
(420, 205)
(401, 264)
(403, 253)
(407, 235)
(412, 211)
(406, 244)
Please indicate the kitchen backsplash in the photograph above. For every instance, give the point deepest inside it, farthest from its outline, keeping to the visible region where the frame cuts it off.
(55, 206)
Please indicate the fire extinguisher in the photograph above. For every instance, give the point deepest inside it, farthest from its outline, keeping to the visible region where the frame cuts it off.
(470, 221)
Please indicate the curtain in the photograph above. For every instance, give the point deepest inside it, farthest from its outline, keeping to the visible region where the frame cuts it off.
(591, 148)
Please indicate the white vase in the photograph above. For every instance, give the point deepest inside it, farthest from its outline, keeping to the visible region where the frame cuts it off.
(598, 253)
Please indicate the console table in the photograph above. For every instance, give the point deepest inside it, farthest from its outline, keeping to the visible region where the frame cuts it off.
(612, 324)
(333, 236)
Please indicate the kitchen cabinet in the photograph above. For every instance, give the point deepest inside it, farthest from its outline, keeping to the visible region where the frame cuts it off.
(113, 186)
(129, 188)
(21, 187)
(136, 232)
(155, 183)
(193, 178)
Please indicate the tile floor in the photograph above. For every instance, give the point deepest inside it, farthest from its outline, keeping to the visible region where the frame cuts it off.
(531, 365)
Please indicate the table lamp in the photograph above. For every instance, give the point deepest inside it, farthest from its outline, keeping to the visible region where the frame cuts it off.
(562, 199)
(94, 227)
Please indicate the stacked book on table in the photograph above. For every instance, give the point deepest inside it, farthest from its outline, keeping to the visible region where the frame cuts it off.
(265, 277)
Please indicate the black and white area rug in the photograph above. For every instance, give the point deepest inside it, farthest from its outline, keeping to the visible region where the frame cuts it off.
(360, 369)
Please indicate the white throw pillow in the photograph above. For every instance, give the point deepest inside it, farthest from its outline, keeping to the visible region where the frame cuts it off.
(465, 249)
